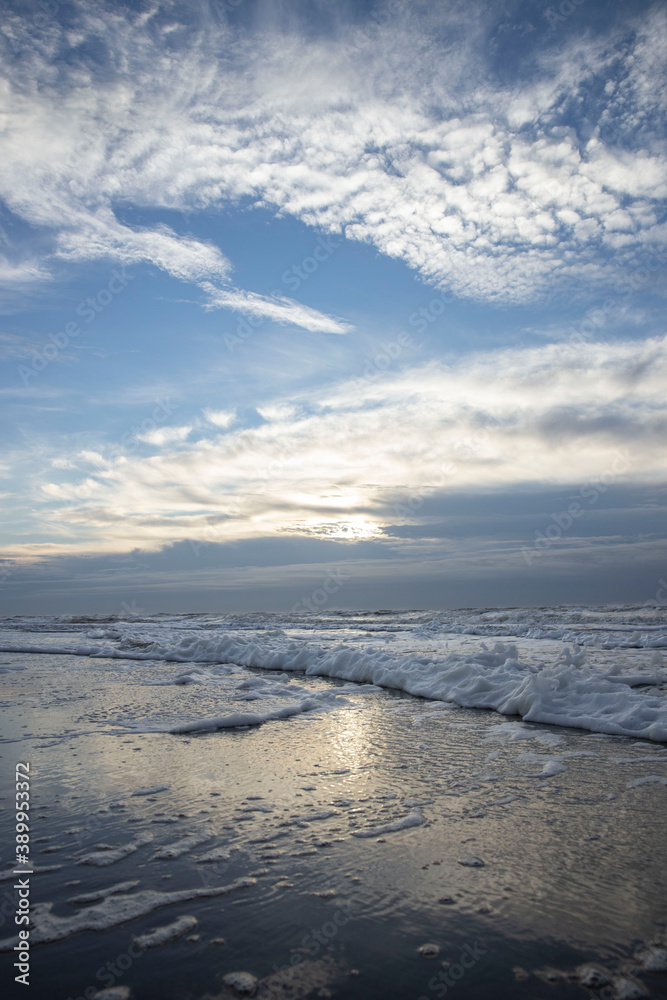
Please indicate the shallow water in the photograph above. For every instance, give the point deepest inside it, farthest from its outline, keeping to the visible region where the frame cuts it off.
(598, 669)
(570, 833)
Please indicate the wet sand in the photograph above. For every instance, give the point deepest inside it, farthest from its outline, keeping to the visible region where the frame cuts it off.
(397, 848)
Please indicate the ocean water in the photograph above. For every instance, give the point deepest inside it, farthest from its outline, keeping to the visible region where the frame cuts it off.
(392, 804)
(599, 669)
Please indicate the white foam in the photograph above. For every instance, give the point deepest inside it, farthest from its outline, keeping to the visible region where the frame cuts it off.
(628, 989)
(505, 800)
(649, 779)
(236, 720)
(542, 685)
(184, 845)
(102, 859)
(592, 977)
(161, 935)
(113, 911)
(414, 818)
(242, 983)
(565, 693)
(312, 817)
(654, 959)
(153, 790)
(111, 890)
(519, 731)
(638, 680)
(219, 854)
(552, 768)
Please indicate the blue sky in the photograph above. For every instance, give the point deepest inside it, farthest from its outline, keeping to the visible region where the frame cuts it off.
(302, 292)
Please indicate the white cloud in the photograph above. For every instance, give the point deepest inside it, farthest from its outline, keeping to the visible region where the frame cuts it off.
(166, 435)
(392, 136)
(279, 308)
(103, 236)
(220, 418)
(279, 411)
(22, 273)
(14, 346)
(341, 459)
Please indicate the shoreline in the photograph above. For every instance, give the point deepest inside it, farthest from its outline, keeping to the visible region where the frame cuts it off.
(316, 811)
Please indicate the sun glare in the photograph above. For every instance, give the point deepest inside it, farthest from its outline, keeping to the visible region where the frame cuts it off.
(356, 527)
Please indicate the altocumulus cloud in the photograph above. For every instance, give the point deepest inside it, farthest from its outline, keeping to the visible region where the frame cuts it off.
(492, 190)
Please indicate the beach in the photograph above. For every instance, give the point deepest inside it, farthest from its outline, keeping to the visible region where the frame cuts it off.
(333, 563)
(329, 837)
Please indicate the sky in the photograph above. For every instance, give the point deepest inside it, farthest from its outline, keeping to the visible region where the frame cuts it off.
(315, 304)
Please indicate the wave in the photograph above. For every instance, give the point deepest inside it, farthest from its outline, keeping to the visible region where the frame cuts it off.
(566, 692)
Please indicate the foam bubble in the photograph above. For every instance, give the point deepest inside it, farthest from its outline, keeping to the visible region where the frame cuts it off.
(161, 935)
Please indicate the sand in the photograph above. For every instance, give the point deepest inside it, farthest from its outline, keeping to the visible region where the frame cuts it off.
(407, 849)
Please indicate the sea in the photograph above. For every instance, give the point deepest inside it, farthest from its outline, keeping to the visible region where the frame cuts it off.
(601, 669)
(351, 804)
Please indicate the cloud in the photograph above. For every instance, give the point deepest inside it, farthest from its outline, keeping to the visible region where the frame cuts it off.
(102, 236)
(279, 411)
(351, 459)
(279, 308)
(274, 574)
(221, 418)
(165, 435)
(21, 273)
(14, 346)
(392, 133)
(188, 260)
